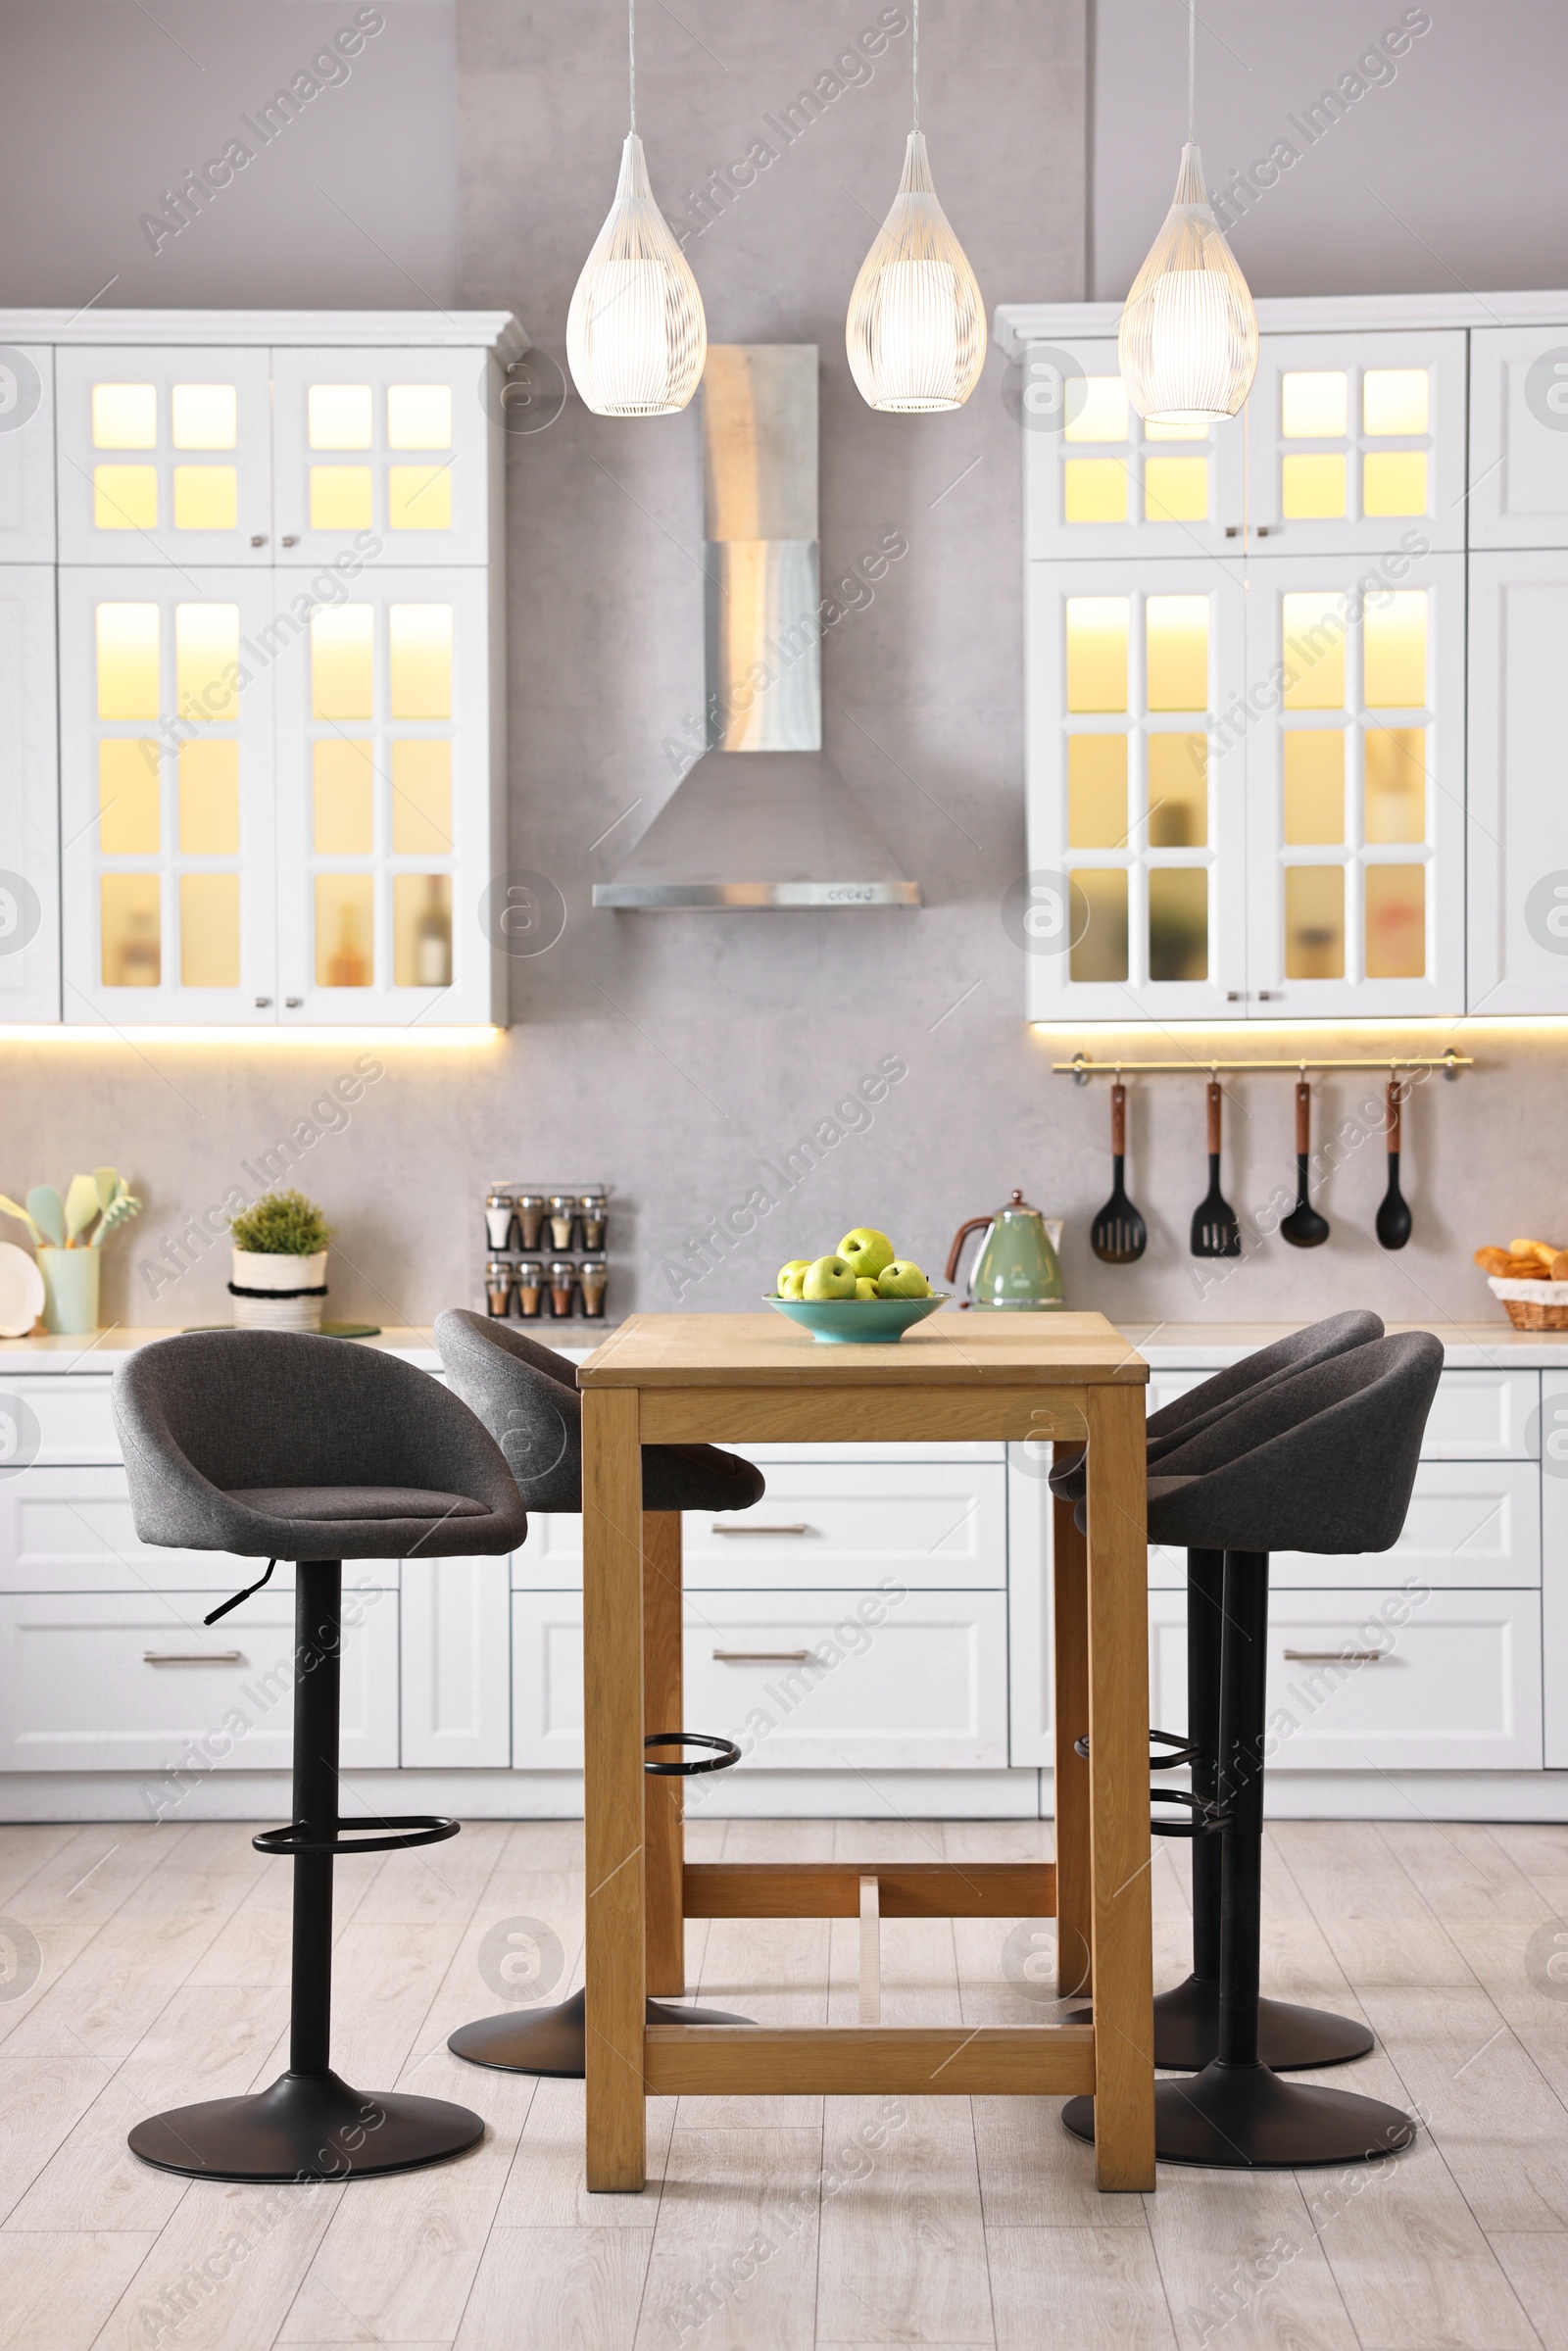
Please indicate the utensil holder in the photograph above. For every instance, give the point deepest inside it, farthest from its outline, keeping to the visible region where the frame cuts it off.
(69, 1288)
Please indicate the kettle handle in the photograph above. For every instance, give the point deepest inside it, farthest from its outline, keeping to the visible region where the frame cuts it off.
(975, 1224)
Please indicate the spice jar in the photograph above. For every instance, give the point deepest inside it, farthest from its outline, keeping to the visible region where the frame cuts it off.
(563, 1282)
(498, 1214)
(530, 1217)
(497, 1285)
(593, 1274)
(591, 1209)
(563, 1216)
(531, 1287)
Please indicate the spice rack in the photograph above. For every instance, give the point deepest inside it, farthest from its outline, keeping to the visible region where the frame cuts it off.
(546, 1249)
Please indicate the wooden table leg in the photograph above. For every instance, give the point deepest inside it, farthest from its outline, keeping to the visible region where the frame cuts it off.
(613, 1787)
(663, 1799)
(1121, 1924)
(1070, 1571)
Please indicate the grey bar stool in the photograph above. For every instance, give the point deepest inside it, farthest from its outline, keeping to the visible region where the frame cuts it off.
(1291, 2037)
(283, 1444)
(527, 1398)
(1323, 1461)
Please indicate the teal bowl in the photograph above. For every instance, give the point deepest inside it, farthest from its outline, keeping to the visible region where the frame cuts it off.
(858, 1321)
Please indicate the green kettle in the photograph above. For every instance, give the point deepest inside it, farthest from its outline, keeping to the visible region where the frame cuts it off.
(1017, 1269)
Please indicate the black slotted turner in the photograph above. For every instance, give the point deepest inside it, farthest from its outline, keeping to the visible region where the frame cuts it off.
(1215, 1231)
(1119, 1234)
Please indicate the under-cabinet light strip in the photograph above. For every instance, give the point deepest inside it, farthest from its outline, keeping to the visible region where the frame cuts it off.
(17, 1032)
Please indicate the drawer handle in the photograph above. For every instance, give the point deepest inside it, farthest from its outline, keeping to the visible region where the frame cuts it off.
(1335, 1656)
(192, 1658)
(764, 1657)
(743, 1529)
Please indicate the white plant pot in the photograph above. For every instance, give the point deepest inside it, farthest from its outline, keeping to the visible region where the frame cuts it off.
(255, 1270)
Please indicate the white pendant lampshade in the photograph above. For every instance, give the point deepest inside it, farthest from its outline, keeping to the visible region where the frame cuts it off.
(1187, 340)
(916, 326)
(636, 334)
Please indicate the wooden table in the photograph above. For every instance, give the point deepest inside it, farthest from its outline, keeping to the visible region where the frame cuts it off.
(740, 1379)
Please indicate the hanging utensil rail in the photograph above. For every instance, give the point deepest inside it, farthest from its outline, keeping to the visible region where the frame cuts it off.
(1081, 1068)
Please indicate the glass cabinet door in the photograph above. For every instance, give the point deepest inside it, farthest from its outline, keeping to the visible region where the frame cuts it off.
(1098, 481)
(30, 803)
(165, 694)
(389, 453)
(1355, 748)
(26, 453)
(1355, 439)
(1519, 436)
(1134, 904)
(384, 848)
(165, 457)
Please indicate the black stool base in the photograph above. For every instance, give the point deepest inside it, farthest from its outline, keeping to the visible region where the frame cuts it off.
(1241, 2118)
(555, 2040)
(306, 2126)
(1289, 2038)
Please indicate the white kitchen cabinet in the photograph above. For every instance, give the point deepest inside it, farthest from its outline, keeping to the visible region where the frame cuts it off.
(402, 446)
(1031, 1659)
(456, 1664)
(1353, 752)
(165, 457)
(27, 453)
(167, 768)
(1553, 1428)
(1356, 439)
(384, 813)
(1100, 482)
(1383, 1679)
(30, 803)
(1519, 435)
(836, 1524)
(1487, 1415)
(1135, 903)
(136, 1682)
(1518, 791)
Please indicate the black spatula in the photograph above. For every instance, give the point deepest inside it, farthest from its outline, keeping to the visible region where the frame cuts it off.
(1119, 1234)
(1215, 1231)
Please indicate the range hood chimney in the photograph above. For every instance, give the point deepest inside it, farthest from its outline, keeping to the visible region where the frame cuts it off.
(762, 819)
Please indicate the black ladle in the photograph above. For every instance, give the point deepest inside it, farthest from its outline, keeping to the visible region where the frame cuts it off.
(1303, 1228)
(1119, 1234)
(1393, 1227)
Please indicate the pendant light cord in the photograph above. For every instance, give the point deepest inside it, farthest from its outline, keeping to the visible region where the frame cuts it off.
(632, 56)
(917, 67)
(1192, 50)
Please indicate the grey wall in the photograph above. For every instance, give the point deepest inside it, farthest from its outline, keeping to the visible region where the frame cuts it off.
(673, 1055)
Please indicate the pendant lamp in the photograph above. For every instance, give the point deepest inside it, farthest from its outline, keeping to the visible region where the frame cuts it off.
(916, 327)
(636, 336)
(1187, 340)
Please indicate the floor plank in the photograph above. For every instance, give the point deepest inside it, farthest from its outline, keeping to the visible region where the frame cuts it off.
(1078, 2289)
(57, 2286)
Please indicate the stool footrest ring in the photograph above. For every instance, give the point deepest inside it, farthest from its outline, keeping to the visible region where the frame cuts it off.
(403, 1828)
(1180, 1750)
(726, 1756)
(1204, 1819)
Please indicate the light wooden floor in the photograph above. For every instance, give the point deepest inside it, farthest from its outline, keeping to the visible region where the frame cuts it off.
(774, 2224)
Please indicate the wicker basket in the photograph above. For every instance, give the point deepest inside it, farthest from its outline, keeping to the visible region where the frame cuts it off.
(1532, 1305)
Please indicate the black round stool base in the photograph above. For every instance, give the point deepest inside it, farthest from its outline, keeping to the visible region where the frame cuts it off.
(1290, 2040)
(555, 2040)
(306, 2126)
(1241, 2118)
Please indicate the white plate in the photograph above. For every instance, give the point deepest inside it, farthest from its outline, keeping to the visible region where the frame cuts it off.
(21, 1290)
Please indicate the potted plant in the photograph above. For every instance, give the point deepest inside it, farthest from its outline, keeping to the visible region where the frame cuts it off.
(279, 1264)
(67, 1235)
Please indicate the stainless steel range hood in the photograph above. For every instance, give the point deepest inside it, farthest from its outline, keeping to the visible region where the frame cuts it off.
(762, 819)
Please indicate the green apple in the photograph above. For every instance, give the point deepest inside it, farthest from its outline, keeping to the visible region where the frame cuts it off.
(867, 1250)
(791, 1276)
(829, 1277)
(901, 1279)
(864, 1287)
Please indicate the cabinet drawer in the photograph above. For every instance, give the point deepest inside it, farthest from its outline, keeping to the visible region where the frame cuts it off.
(827, 1682)
(74, 1417)
(70, 1529)
(1471, 1524)
(1455, 1685)
(979, 1449)
(1483, 1416)
(78, 1691)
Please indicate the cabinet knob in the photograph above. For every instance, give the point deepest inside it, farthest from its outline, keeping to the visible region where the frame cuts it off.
(293, 1003)
(262, 1003)
(257, 538)
(290, 538)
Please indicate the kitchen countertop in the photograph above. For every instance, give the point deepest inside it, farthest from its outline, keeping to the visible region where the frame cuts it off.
(1194, 1346)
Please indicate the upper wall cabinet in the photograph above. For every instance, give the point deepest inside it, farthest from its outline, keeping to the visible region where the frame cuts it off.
(1518, 796)
(1098, 481)
(387, 449)
(29, 818)
(1519, 436)
(1354, 440)
(26, 453)
(165, 457)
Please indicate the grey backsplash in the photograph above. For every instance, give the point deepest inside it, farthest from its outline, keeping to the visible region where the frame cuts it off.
(676, 1055)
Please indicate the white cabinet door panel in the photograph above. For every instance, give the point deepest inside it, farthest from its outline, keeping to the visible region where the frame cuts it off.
(393, 453)
(839, 1525)
(1384, 1678)
(165, 457)
(68, 1529)
(1483, 1416)
(91, 1683)
(1031, 1664)
(1470, 1525)
(29, 783)
(456, 1664)
(1518, 436)
(979, 1449)
(1517, 806)
(1554, 1562)
(550, 1558)
(27, 453)
(64, 1420)
(1098, 481)
(1357, 438)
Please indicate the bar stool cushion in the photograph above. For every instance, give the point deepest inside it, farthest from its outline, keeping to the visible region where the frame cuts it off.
(527, 1398)
(285, 1445)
